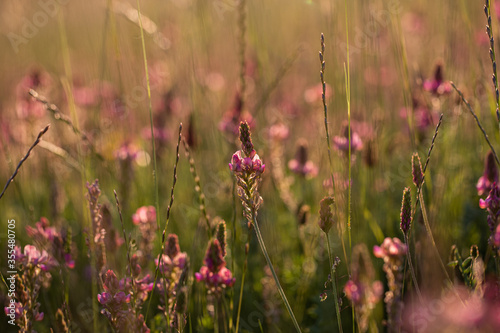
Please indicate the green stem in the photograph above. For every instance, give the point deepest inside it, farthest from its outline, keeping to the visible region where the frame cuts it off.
(429, 232)
(245, 265)
(334, 285)
(413, 275)
(266, 255)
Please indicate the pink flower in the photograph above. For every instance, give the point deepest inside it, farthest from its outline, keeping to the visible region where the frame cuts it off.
(240, 164)
(490, 175)
(315, 93)
(437, 85)
(300, 164)
(214, 273)
(144, 214)
(342, 142)
(390, 248)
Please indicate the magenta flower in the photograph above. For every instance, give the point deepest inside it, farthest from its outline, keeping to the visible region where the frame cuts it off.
(437, 85)
(490, 175)
(247, 165)
(341, 143)
(492, 205)
(390, 248)
(314, 94)
(300, 164)
(214, 273)
(279, 132)
(230, 122)
(144, 215)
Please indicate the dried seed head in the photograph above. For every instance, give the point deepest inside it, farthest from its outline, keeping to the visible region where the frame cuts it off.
(406, 211)
(325, 214)
(416, 170)
(221, 236)
(246, 140)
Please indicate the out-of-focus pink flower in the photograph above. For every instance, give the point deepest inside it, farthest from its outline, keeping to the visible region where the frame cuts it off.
(127, 151)
(437, 85)
(490, 175)
(300, 164)
(391, 247)
(279, 132)
(33, 257)
(230, 122)
(315, 93)
(341, 143)
(144, 214)
(26, 106)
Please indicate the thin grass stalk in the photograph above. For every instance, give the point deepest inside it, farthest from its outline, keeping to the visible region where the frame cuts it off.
(429, 233)
(334, 284)
(406, 81)
(37, 140)
(477, 121)
(412, 271)
(197, 188)
(67, 85)
(348, 98)
(269, 263)
(242, 49)
(328, 140)
(245, 266)
(494, 77)
(169, 208)
(148, 87)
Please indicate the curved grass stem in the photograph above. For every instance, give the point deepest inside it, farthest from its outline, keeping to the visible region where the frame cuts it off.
(412, 271)
(269, 263)
(429, 232)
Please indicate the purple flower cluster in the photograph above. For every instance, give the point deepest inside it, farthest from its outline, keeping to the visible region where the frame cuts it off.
(116, 299)
(492, 205)
(247, 165)
(341, 143)
(437, 85)
(214, 273)
(145, 219)
(490, 175)
(51, 239)
(300, 164)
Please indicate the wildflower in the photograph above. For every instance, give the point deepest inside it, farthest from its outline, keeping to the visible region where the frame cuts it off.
(341, 143)
(492, 205)
(116, 301)
(390, 249)
(325, 214)
(247, 166)
(33, 266)
(231, 120)
(314, 94)
(26, 106)
(393, 252)
(214, 273)
(173, 266)
(490, 175)
(437, 86)
(406, 212)
(300, 164)
(361, 289)
(279, 132)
